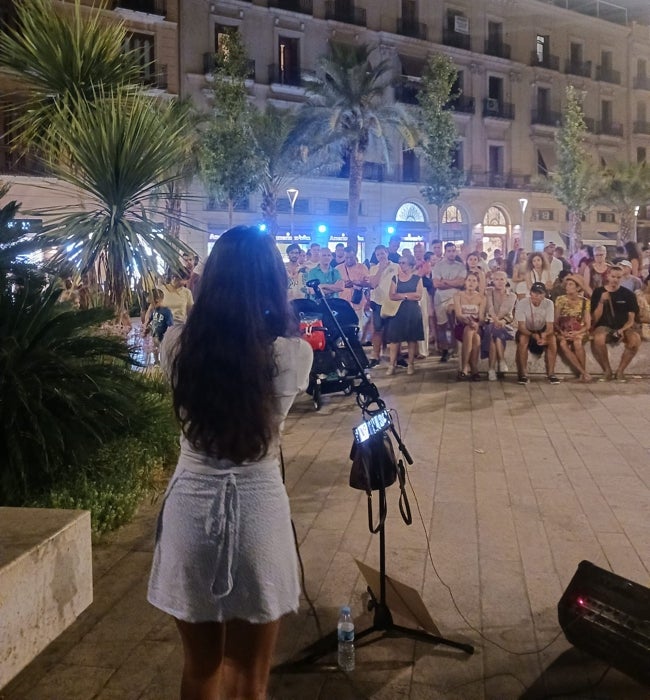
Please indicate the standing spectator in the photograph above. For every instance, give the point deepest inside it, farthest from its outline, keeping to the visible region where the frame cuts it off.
(161, 319)
(597, 272)
(554, 265)
(394, 243)
(469, 308)
(176, 297)
(518, 276)
(355, 277)
(572, 323)
(423, 269)
(448, 277)
(578, 257)
(498, 262)
(330, 280)
(537, 271)
(559, 255)
(313, 256)
(224, 563)
(295, 274)
(436, 249)
(379, 279)
(339, 255)
(499, 327)
(406, 326)
(633, 254)
(473, 264)
(535, 318)
(614, 310)
(629, 281)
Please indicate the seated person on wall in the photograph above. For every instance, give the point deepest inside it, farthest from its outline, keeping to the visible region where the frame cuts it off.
(572, 323)
(535, 316)
(613, 311)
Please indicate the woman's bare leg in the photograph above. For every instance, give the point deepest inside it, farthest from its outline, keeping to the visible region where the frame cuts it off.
(203, 647)
(247, 660)
(475, 349)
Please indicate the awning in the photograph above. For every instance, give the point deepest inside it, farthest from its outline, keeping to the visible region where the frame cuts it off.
(411, 66)
(546, 159)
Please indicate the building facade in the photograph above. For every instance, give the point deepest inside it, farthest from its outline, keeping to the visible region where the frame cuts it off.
(514, 60)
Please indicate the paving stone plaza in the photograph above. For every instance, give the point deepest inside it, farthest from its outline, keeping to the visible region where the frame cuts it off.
(514, 486)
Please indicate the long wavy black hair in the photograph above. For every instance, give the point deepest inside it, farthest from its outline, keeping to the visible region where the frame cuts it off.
(223, 372)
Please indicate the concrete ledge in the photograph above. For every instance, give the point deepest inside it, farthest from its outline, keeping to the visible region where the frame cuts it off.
(45, 580)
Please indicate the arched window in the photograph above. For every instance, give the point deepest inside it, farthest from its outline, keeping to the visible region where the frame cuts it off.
(494, 217)
(409, 211)
(452, 215)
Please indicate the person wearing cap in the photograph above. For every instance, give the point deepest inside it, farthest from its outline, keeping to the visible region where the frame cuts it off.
(614, 310)
(535, 317)
(629, 281)
(572, 322)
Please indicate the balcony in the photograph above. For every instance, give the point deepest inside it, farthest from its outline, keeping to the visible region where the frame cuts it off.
(305, 7)
(496, 109)
(546, 61)
(409, 27)
(457, 40)
(347, 13)
(285, 76)
(150, 7)
(13, 163)
(604, 128)
(497, 180)
(608, 75)
(407, 93)
(641, 128)
(209, 64)
(496, 48)
(642, 82)
(155, 77)
(581, 68)
(546, 117)
(462, 104)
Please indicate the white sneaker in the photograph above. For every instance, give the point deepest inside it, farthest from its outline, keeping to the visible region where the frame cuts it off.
(492, 375)
(503, 367)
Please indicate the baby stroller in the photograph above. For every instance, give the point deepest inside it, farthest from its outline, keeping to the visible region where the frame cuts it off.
(334, 367)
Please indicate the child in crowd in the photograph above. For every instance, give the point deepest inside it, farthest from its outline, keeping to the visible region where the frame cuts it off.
(161, 320)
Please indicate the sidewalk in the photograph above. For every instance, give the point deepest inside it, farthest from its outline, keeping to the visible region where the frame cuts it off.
(515, 486)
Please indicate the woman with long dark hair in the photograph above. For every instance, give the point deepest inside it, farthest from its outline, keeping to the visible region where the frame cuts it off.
(224, 563)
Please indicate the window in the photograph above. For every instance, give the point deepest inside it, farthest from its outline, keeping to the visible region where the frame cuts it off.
(457, 156)
(605, 217)
(452, 215)
(640, 154)
(410, 166)
(495, 88)
(641, 68)
(542, 168)
(288, 61)
(457, 22)
(543, 101)
(142, 47)
(337, 207)
(301, 206)
(220, 33)
(495, 33)
(495, 159)
(606, 112)
(640, 112)
(576, 53)
(542, 47)
(606, 60)
(410, 211)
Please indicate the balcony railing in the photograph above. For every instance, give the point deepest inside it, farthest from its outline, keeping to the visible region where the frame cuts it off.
(497, 109)
(581, 68)
(609, 129)
(642, 82)
(545, 117)
(409, 27)
(497, 48)
(457, 40)
(497, 180)
(641, 128)
(151, 7)
(546, 61)
(407, 93)
(156, 77)
(608, 75)
(305, 7)
(12, 163)
(346, 13)
(285, 76)
(209, 65)
(463, 104)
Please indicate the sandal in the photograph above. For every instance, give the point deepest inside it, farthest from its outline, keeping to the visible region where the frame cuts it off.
(460, 376)
(476, 377)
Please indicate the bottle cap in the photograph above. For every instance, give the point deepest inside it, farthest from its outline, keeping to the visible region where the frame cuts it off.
(345, 610)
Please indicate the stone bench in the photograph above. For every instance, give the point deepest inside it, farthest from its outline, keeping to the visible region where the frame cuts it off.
(45, 580)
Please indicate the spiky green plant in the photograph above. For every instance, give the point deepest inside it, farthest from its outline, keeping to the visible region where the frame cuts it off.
(61, 55)
(120, 149)
(349, 112)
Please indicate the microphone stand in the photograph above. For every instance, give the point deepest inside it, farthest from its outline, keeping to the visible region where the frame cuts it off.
(370, 403)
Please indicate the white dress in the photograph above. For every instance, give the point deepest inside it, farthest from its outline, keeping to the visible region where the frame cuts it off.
(224, 545)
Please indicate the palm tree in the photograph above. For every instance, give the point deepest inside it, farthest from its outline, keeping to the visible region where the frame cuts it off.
(624, 187)
(349, 113)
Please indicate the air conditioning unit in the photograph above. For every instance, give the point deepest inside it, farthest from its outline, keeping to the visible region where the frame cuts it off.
(492, 105)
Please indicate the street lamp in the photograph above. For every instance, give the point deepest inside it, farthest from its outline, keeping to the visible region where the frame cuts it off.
(636, 222)
(292, 193)
(523, 203)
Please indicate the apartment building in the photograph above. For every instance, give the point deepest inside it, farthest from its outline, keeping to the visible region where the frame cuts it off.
(514, 62)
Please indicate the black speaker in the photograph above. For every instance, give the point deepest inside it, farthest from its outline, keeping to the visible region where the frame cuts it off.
(609, 617)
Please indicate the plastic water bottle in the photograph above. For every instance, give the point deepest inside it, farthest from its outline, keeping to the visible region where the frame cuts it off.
(345, 629)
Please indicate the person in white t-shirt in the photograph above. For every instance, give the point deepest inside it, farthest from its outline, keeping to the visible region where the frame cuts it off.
(535, 317)
(379, 279)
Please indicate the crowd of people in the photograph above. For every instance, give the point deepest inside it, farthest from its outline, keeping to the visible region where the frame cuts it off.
(461, 303)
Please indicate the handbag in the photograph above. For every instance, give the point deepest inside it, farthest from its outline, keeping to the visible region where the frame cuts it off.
(357, 295)
(390, 308)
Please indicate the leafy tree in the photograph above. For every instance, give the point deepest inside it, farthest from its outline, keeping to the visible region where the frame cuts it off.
(625, 186)
(575, 182)
(229, 163)
(350, 114)
(439, 135)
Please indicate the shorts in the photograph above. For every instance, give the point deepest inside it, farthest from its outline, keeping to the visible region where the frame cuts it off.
(533, 345)
(378, 323)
